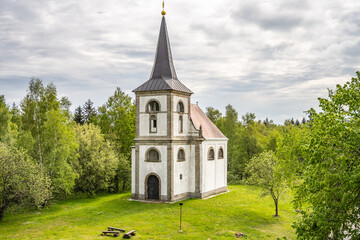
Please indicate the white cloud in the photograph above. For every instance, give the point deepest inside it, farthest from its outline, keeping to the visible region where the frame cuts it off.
(273, 58)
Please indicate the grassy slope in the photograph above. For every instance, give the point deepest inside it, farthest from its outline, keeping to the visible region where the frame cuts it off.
(240, 210)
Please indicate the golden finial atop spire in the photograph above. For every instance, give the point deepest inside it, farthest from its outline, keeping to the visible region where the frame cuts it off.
(163, 11)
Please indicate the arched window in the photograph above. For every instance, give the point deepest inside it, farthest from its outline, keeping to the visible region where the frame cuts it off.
(221, 153)
(211, 154)
(153, 124)
(180, 107)
(181, 155)
(181, 128)
(153, 156)
(153, 106)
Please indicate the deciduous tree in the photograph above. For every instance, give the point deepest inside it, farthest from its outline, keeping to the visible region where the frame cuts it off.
(263, 171)
(331, 167)
(96, 163)
(59, 151)
(20, 179)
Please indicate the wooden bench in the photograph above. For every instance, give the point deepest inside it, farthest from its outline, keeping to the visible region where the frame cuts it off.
(116, 233)
(115, 229)
(129, 234)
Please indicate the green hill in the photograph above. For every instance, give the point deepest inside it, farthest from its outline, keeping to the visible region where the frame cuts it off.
(220, 217)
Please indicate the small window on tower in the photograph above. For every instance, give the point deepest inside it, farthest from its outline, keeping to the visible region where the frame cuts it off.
(181, 124)
(153, 106)
(181, 155)
(180, 107)
(153, 124)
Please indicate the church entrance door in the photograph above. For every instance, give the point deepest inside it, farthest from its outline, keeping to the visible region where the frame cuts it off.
(153, 187)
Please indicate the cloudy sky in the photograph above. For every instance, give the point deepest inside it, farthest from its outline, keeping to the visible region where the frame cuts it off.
(273, 58)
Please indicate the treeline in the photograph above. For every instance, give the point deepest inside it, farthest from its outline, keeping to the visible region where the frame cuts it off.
(248, 137)
(318, 159)
(47, 152)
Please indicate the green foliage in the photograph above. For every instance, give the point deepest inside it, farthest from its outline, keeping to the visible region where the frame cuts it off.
(16, 116)
(65, 105)
(38, 101)
(331, 167)
(246, 139)
(4, 119)
(89, 112)
(213, 114)
(20, 179)
(263, 171)
(97, 163)
(79, 116)
(290, 152)
(59, 151)
(117, 121)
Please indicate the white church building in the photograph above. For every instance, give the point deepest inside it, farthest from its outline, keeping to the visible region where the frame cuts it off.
(179, 153)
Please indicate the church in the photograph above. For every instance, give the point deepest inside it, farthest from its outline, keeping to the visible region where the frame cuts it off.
(178, 153)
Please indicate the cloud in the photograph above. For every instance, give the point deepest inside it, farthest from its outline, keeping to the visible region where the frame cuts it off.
(273, 58)
(267, 18)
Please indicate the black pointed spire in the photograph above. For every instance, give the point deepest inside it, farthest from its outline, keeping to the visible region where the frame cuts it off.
(163, 64)
(163, 75)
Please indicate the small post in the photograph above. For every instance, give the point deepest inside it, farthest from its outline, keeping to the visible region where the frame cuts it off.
(181, 204)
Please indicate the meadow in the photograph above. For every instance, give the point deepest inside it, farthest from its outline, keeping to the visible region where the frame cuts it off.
(219, 217)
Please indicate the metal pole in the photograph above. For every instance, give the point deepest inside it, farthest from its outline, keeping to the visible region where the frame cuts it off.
(181, 204)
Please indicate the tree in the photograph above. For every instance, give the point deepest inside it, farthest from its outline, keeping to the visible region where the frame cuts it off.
(59, 151)
(231, 128)
(79, 116)
(248, 118)
(89, 112)
(65, 105)
(303, 121)
(213, 114)
(263, 171)
(16, 115)
(38, 101)
(290, 152)
(4, 119)
(331, 167)
(20, 179)
(117, 121)
(268, 122)
(96, 163)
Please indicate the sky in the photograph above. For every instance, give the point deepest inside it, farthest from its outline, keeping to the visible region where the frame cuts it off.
(272, 58)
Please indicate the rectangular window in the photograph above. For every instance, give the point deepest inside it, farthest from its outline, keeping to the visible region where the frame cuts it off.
(153, 125)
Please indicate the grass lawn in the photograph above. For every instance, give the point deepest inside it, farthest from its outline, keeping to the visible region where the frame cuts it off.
(220, 217)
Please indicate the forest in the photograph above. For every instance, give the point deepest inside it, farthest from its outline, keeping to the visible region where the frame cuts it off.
(47, 152)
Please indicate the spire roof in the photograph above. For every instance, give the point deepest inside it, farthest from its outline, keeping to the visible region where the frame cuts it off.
(163, 75)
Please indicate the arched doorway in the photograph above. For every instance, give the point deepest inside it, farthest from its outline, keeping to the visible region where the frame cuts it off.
(153, 187)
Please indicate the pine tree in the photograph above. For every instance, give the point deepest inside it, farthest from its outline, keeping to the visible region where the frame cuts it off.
(303, 120)
(89, 111)
(79, 116)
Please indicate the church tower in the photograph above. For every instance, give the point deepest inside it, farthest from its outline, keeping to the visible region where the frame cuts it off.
(167, 159)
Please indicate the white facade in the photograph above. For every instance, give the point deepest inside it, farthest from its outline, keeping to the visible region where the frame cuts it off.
(193, 176)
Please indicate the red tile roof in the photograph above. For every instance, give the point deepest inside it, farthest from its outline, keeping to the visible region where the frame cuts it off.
(209, 130)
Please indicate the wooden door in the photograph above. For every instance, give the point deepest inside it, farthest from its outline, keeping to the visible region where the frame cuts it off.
(153, 187)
